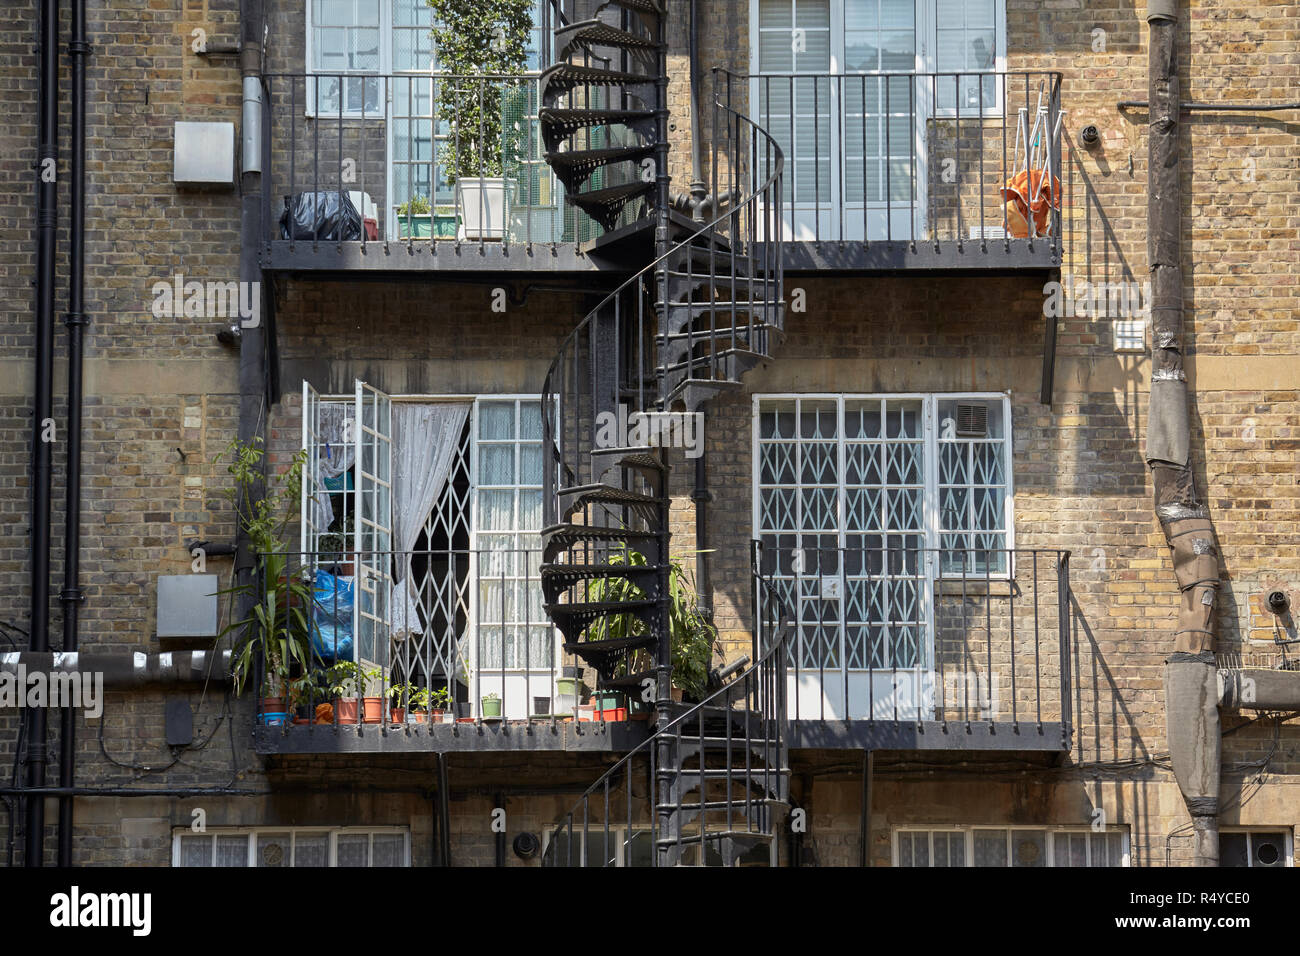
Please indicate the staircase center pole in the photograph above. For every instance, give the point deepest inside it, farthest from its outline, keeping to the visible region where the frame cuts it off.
(664, 756)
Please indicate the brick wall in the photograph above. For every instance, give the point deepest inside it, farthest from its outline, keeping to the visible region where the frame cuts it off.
(161, 406)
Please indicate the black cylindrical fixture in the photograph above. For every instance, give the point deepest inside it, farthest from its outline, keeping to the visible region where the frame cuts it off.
(47, 162)
(71, 596)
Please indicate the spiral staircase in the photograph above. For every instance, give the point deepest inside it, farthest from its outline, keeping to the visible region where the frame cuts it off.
(685, 327)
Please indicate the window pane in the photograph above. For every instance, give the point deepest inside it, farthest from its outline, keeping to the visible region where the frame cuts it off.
(389, 849)
(311, 849)
(353, 849)
(1030, 847)
(232, 850)
(196, 851)
(272, 849)
(990, 848)
(496, 420)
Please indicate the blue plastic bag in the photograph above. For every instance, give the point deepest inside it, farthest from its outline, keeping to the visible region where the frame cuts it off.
(331, 630)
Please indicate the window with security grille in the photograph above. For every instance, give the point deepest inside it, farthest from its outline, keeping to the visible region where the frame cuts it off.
(862, 501)
(1015, 847)
(292, 847)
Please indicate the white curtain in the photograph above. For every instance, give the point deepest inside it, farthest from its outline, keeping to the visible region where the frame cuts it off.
(425, 440)
(333, 457)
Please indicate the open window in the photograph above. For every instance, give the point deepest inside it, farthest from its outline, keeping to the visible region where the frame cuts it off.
(423, 517)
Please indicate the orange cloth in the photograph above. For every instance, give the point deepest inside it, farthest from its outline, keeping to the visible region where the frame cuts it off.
(1024, 192)
(324, 713)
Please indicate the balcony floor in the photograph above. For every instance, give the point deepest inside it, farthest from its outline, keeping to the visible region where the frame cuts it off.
(926, 735)
(541, 736)
(988, 257)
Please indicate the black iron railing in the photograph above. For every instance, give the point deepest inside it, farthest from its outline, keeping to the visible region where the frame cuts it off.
(913, 157)
(406, 158)
(959, 636)
(710, 787)
(415, 637)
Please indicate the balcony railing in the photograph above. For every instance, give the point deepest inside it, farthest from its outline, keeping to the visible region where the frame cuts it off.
(911, 158)
(379, 158)
(467, 624)
(950, 641)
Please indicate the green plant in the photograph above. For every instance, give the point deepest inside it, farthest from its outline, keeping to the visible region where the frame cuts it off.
(275, 630)
(492, 695)
(343, 679)
(439, 699)
(337, 543)
(418, 701)
(690, 634)
(401, 694)
(417, 206)
(473, 38)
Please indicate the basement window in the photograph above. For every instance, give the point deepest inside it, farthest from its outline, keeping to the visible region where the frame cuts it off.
(1008, 846)
(1255, 848)
(292, 847)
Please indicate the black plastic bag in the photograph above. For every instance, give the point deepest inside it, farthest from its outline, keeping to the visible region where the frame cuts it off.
(322, 215)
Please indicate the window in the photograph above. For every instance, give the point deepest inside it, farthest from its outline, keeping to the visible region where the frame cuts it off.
(466, 598)
(892, 473)
(1266, 848)
(292, 847)
(837, 85)
(1003, 846)
(509, 523)
(382, 37)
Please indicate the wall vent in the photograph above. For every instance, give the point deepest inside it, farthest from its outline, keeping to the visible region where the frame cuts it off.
(972, 420)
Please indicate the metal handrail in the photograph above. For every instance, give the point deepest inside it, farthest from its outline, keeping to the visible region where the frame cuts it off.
(769, 660)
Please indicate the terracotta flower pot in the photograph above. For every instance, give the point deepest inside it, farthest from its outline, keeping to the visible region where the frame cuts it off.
(373, 710)
(346, 709)
(273, 705)
(419, 717)
(398, 715)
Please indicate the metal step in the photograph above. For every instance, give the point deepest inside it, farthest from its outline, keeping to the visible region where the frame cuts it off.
(558, 123)
(628, 682)
(642, 459)
(593, 33)
(574, 618)
(558, 578)
(564, 77)
(607, 646)
(605, 205)
(559, 538)
(572, 500)
(575, 167)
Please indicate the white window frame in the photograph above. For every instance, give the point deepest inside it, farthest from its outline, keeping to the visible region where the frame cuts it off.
(528, 677)
(252, 833)
(969, 832)
(834, 217)
(930, 403)
(927, 34)
(1288, 836)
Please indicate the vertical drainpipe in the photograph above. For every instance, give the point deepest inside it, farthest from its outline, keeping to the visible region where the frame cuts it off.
(1191, 692)
(252, 342)
(47, 196)
(75, 320)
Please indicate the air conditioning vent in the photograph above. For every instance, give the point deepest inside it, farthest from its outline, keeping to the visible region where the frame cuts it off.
(972, 420)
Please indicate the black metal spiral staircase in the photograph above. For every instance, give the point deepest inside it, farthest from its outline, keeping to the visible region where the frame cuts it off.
(682, 329)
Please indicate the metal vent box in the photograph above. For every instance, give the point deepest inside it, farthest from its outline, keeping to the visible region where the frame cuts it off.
(204, 154)
(187, 605)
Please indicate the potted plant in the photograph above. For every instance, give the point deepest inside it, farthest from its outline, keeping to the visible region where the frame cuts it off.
(690, 634)
(417, 705)
(274, 634)
(441, 707)
(490, 705)
(414, 219)
(302, 696)
(343, 681)
(401, 695)
(372, 711)
(475, 38)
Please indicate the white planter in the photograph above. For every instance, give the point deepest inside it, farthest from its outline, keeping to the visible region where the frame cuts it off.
(482, 205)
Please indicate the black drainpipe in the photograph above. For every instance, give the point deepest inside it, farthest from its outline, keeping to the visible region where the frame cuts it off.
(47, 161)
(75, 320)
(699, 188)
(253, 389)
